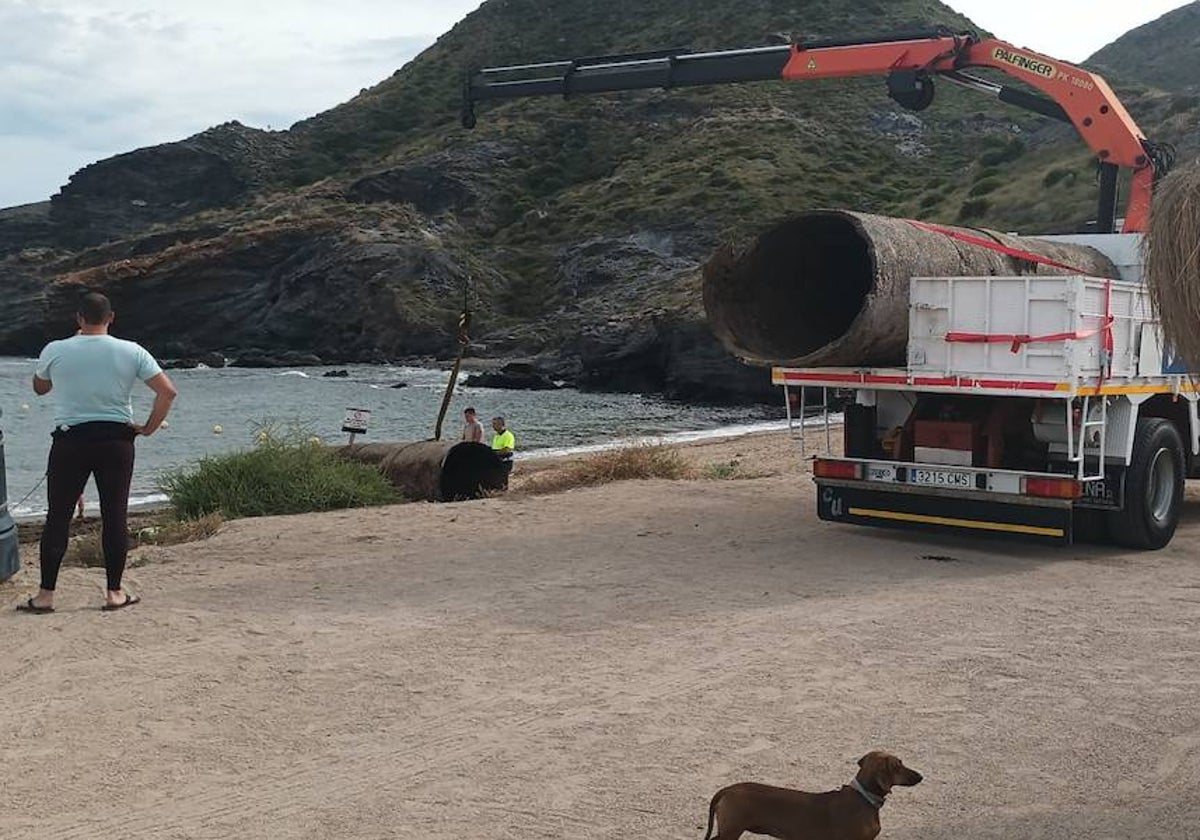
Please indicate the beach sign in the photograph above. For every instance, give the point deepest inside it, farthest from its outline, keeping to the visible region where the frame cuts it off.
(356, 422)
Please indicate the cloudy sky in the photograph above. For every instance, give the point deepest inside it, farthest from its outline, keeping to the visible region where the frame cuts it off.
(81, 80)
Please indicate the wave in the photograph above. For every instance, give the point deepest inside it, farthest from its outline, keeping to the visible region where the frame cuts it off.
(143, 502)
(719, 433)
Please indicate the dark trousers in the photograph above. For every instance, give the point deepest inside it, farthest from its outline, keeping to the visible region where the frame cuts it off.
(104, 450)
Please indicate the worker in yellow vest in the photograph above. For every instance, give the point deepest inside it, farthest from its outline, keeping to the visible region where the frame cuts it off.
(503, 444)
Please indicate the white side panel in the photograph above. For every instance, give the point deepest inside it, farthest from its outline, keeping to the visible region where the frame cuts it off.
(1150, 359)
(1053, 308)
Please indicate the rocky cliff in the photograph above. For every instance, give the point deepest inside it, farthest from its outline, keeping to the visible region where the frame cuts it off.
(574, 230)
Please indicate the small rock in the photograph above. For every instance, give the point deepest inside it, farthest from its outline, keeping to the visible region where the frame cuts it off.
(179, 364)
(518, 376)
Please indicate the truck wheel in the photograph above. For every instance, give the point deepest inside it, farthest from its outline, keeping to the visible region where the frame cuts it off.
(1153, 487)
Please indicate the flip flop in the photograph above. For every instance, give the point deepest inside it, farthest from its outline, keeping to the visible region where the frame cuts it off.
(31, 607)
(129, 601)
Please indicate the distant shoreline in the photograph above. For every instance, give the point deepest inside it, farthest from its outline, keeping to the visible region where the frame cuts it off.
(158, 502)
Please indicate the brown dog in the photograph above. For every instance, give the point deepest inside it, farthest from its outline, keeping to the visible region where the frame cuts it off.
(849, 813)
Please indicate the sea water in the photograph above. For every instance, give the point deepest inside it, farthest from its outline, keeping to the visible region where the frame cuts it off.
(242, 402)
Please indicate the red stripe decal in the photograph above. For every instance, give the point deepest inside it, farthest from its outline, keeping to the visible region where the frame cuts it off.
(920, 381)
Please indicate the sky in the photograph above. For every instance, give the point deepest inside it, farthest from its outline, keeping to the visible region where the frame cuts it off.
(82, 80)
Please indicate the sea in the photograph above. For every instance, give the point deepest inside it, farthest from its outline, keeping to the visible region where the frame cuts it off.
(223, 410)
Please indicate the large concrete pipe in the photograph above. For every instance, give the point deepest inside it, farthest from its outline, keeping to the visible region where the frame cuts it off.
(434, 470)
(830, 287)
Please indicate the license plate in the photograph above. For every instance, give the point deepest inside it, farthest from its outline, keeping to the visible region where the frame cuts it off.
(941, 478)
(880, 473)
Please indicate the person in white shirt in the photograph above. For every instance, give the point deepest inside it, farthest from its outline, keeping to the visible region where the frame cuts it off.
(92, 375)
(472, 428)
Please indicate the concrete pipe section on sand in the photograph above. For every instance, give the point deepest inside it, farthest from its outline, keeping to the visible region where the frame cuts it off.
(434, 470)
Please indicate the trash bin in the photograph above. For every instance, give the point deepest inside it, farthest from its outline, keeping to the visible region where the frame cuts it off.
(10, 557)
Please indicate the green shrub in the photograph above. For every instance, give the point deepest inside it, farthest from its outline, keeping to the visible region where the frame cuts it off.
(973, 208)
(1011, 150)
(1181, 104)
(1054, 176)
(283, 474)
(984, 187)
(723, 470)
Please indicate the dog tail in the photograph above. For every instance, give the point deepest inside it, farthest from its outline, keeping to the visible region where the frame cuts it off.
(712, 812)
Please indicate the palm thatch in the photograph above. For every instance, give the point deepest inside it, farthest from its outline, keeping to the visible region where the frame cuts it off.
(1172, 262)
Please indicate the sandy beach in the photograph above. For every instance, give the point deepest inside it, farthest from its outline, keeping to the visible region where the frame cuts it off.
(596, 664)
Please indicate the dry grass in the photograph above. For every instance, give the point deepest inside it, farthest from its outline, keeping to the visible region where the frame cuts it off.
(732, 470)
(87, 549)
(630, 464)
(1172, 249)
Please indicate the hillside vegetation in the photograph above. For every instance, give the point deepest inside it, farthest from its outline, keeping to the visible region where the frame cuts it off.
(576, 228)
(1164, 53)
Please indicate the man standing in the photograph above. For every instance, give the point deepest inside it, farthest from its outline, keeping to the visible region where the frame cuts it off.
(92, 375)
(472, 428)
(503, 444)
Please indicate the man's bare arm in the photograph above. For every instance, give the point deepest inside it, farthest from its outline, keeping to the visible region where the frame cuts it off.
(41, 387)
(164, 395)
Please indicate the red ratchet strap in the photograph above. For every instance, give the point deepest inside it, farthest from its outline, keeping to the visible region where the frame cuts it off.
(993, 245)
(1016, 341)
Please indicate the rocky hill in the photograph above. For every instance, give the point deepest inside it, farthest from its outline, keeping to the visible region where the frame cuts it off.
(575, 228)
(1164, 53)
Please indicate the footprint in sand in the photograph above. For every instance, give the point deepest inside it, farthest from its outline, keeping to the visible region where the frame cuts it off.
(756, 746)
(1179, 757)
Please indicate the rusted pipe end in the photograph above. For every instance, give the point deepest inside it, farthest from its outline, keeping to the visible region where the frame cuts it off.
(797, 288)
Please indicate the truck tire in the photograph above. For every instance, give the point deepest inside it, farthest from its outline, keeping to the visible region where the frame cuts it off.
(1153, 487)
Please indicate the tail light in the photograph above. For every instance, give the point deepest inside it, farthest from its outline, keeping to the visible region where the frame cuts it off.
(823, 468)
(1053, 488)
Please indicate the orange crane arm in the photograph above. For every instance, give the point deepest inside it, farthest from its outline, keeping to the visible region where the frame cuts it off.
(1085, 98)
(910, 62)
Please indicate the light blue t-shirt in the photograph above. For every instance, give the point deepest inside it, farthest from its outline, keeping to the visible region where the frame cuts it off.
(93, 377)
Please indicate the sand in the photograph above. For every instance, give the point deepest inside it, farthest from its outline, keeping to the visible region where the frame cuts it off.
(596, 664)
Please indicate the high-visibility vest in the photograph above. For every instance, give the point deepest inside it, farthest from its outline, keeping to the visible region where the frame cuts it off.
(504, 440)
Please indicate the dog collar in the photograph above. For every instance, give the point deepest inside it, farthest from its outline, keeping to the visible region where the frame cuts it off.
(874, 800)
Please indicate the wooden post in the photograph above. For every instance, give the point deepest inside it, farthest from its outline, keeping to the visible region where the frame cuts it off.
(464, 341)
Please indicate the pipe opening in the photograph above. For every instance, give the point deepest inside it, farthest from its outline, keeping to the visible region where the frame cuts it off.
(470, 471)
(797, 290)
